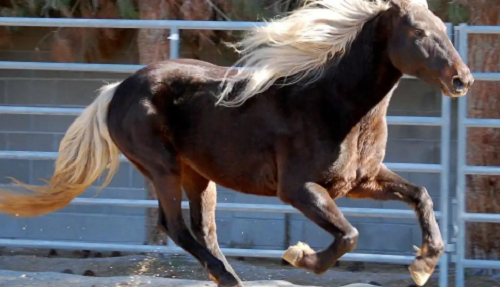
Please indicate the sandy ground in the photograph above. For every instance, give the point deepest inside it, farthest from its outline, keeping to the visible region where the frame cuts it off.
(184, 267)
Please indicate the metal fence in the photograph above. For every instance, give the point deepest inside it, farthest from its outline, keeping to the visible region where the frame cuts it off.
(443, 168)
(461, 40)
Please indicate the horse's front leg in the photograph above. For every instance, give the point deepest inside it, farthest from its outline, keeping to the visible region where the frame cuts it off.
(317, 205)
(389, 186)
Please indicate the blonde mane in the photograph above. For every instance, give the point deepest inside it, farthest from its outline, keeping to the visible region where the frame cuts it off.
(297, 46)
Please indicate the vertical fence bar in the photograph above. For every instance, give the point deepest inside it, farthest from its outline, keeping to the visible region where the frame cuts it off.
(174, 42)
(461, 32)
(174, 54)
(444, 192)
(445, 178)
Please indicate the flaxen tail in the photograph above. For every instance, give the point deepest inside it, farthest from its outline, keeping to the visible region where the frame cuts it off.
(85, 152)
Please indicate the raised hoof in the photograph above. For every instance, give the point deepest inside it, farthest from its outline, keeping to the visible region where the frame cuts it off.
(295, 253)
(420, 272)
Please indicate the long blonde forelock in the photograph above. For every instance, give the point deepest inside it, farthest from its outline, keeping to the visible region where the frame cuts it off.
(298, 45)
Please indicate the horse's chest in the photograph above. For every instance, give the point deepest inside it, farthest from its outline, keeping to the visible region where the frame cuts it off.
(371, 142)
(360, 155)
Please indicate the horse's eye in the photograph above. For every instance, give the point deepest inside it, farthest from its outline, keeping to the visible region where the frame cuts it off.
(419, 33)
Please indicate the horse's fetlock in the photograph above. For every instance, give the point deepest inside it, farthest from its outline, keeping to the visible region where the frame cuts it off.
(219, 271)
(436, 247)
(318, 270)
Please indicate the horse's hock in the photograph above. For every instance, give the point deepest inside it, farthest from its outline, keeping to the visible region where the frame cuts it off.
(52, 279)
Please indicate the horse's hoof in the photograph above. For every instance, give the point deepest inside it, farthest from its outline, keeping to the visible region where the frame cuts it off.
(295, 253)
(231, 283)
(228, 281)
(213, 278)
(419, 271)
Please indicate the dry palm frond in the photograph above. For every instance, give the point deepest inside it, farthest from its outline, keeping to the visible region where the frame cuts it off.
(87, 44)
(70, 44)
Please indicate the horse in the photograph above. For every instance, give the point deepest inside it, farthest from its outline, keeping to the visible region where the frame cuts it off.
(300, 116)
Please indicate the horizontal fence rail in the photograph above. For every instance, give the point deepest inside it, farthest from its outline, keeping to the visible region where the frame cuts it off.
(463, 169)
(481, 123)
(131, 24)
(77, 67)
(47, 155)
(26, 110)
(247, 207)
(392, 259)
(486, 76)
(71, 67)
(174, 26)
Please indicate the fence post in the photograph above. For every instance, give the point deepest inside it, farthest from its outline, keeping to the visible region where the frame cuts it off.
(174, 42)
(461, 32)
(445, 178)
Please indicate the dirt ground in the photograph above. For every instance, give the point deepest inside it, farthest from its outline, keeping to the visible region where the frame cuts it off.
(54, 279)
(184, 267)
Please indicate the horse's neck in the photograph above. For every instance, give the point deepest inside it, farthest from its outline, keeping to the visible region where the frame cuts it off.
(365, 77)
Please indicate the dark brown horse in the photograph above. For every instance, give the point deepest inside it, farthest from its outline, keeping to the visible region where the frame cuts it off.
(306, 124)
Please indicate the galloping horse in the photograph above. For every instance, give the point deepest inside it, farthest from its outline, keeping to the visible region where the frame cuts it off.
(301, 116)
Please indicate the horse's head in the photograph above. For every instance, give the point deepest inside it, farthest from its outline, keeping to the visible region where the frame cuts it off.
(420, 47)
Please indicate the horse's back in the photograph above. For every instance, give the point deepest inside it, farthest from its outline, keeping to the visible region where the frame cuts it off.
(157, 90)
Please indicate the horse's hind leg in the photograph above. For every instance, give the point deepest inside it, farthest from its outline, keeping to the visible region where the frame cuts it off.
(317, 205)
(161, 163)
(202, 195)
(390, 186)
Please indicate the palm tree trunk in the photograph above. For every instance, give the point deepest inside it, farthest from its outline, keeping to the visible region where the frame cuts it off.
(153, 46)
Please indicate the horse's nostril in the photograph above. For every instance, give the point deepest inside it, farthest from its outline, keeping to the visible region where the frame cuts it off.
(458, 84)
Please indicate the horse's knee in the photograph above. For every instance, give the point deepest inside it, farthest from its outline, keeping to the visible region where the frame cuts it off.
(349, 240)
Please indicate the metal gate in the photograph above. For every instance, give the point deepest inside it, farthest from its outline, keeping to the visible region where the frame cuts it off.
(442, 168)
(462, 216)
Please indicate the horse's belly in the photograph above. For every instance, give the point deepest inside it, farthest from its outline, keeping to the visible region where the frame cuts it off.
(242, 174)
